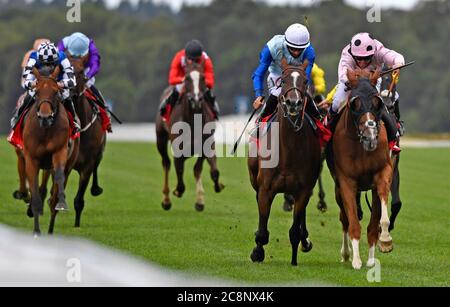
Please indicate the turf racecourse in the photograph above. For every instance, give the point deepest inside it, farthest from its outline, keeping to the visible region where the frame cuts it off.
(217, 242)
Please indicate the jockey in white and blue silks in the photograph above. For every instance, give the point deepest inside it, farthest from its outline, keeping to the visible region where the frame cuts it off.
(296, 47)
(50, 57)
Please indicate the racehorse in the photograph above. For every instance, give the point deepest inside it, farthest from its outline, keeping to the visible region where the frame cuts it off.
(190, 110)
(359, 160)
(298, 165)
(47, 145)
(92, 139)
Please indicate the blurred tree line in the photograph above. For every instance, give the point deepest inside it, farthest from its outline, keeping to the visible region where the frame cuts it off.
(138, 42)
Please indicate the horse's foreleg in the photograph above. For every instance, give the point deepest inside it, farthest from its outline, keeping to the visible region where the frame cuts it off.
(79, 198)
(298, 231)
(22, 193)
(44, 182)
(383, 182)
(348, 191)
(96, 190)
(373, 230)
(59, 165)
(162, 142)
(265, 199)
(32, 172)
(396, 203)
(218, 186)
(179, 167)
(200, 191)
(345, 249)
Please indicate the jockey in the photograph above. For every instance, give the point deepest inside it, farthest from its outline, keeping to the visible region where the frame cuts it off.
(79, 45)
(47, 55)
(365, 52)
(36, 45)
(193, 52)
(295, 46)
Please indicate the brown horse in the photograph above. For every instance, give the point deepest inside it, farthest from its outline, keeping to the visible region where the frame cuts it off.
(359, 160)
(190, 115)
(299, 162)
(92, 140)
(47, 146)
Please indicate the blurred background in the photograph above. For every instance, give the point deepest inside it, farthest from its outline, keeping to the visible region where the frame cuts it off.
(137, 40)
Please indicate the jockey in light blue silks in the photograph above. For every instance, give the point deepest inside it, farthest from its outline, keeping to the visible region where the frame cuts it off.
(296, 47)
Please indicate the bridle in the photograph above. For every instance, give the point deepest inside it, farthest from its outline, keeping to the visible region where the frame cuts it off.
(296, 118)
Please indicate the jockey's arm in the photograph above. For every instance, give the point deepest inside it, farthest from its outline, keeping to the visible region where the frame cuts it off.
(94, 61)
(311, 57)
(28, 79)
(68, 80)
(265, 59)
(176, 74)
(209, 73)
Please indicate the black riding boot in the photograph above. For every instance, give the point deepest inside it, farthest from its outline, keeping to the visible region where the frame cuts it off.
(68, 103)
(312, 109)
(100, 100)
(270, 106)
(27, 102)
(172, 99)
(401, 129)
(210, 98)
(391, 125)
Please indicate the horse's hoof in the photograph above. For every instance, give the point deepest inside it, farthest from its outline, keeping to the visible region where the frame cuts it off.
(61, 207)
(96, 191)
(287, 207)
(36, 234)
(322, 206)
(22, 196)
(219, 188)
(257, 254)
(308, 247)
(166, 206)
(199, 207)
(177, 193)
(357, 264)
(385, 247)
(30, 212)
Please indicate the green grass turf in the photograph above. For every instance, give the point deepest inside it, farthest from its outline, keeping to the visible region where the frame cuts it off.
(217, 242)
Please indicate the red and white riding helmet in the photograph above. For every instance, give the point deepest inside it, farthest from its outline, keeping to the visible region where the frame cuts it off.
(362, 45)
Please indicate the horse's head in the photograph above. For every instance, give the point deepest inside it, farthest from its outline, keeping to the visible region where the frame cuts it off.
(195, 86)
(365, 106)
(388, 88)
(294, 86)
(47, 99)
(79, 64)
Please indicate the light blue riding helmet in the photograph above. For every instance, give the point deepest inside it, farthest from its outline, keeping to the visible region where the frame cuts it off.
(77, 44)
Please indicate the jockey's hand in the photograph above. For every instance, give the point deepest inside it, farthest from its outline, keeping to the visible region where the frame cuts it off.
(323, 105)
(259, 101)
(395, 75)
(61, 85)
(33, 85)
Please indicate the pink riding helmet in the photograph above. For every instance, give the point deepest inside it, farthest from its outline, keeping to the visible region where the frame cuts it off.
(362, 45)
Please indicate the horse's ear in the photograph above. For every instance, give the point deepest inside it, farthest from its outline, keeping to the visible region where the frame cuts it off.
(374, 76)
(56, 72)
(284, 63)
(36, 73)
(305, 64)
(352, 77)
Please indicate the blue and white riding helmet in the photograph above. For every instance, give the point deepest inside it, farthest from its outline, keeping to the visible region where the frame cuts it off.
(77, 44)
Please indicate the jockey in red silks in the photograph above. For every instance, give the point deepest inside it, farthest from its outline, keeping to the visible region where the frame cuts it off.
(193, 52)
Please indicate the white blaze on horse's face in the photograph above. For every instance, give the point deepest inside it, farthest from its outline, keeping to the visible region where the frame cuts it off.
(195, 75)
(295, 75)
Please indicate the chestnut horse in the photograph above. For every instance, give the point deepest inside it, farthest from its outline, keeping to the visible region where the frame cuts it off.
(47, 146)
(186, 116)
(92, 140)
(359, 160)
(298, 165)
